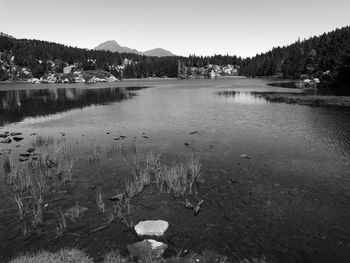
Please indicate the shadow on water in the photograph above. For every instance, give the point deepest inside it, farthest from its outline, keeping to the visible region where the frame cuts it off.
(16, 105)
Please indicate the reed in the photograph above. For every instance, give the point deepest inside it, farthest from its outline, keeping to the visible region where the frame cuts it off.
(193, 171)
(7, 165)
(173, 179)
(61, 225)
(41, 141)
(21, 211)
(99, 201)
(94, 154)
(37, 215)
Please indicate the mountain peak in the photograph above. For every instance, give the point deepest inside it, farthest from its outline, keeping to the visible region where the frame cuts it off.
(113, 46)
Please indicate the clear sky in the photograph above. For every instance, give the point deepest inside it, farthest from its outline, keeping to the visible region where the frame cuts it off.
(203, 27)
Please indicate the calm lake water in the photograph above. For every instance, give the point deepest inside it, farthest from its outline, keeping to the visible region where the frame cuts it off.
(289, 202)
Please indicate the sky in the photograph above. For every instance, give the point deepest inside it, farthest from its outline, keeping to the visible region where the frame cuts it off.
(202, 27)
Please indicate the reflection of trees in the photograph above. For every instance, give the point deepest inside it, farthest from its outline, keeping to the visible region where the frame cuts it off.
(16, 105)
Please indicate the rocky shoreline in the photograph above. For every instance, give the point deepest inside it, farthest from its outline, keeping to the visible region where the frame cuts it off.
(79, 76)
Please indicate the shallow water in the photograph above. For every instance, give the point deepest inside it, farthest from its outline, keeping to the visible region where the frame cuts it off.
(288, 202)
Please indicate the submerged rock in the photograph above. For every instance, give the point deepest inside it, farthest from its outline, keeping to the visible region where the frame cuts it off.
(3, 135)
(15, 133)
(30, 150)
(193, 132)
(146, 249)
(245, 156)
(8, 140)
(151, 228)
(17, 139)
(24, 154)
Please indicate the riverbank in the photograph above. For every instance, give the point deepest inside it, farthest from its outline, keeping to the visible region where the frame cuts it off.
(305, 99)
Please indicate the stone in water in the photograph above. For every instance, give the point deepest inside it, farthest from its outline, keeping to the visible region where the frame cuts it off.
(151, 228)
(147, 248)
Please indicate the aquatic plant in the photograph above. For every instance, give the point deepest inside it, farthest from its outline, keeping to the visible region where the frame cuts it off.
(143, 167)
(41, 141)
(193, 171)
(99, 201)
(94, 154)
(179, 178)
(38, 180)
(61, 225)
(21, 209)
(7, 165)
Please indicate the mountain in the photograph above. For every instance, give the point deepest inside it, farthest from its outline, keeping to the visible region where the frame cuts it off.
(113, 46)
(158, 52)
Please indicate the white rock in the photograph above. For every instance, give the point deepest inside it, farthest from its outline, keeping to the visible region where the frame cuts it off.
(112, 79)
(151, 228)
(34, 80)
(68, 69)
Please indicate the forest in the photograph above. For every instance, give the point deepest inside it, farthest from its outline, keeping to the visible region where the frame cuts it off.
(326, 57)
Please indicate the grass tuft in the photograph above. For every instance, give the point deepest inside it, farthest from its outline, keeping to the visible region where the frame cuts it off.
(62, 256)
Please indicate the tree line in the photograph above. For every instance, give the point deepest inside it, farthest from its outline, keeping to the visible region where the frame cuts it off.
(326, 57)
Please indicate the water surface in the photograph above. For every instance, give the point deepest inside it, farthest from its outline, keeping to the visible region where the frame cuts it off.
(288, 202)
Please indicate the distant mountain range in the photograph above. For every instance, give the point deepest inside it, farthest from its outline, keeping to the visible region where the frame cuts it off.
(113, 46)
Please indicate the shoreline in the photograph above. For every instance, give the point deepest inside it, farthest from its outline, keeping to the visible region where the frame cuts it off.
(305, 99)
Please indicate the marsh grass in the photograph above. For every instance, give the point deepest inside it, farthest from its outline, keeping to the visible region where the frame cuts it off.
(178, 178)
(39, 180)
(143, 168)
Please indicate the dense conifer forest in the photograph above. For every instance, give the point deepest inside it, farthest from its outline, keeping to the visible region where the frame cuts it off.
(326, 57)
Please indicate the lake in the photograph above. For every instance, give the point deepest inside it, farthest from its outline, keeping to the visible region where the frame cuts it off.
(276, 177)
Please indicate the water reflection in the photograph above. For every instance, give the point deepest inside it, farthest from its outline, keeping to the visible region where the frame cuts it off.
(15, 105)
(240, 97)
